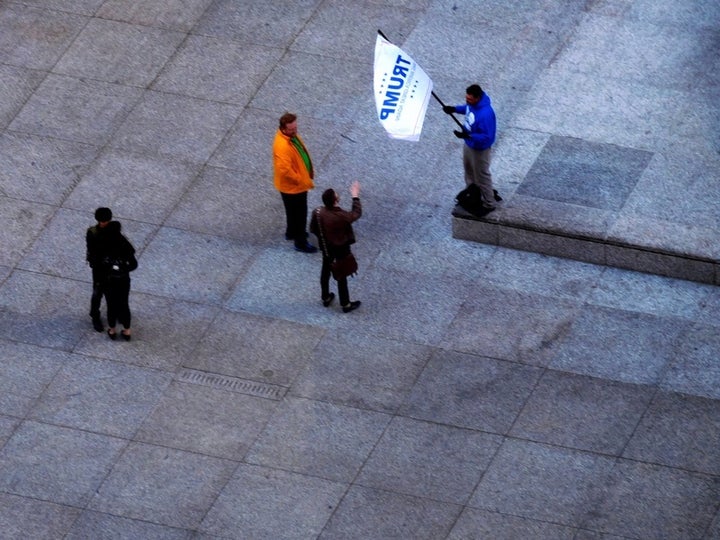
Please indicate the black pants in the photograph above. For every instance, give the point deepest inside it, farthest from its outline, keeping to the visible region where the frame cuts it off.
(97, 294)
(117, 296)
(296, 214)
(326, 272)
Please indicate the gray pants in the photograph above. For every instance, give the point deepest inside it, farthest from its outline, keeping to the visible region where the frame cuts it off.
(477, 171)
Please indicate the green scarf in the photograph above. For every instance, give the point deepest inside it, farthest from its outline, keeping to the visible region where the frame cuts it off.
(303, 154)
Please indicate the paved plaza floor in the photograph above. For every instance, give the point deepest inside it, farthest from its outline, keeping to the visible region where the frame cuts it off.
(478, 393)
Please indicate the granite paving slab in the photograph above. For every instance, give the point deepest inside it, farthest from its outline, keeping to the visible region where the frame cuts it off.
(474, 523)
(208, 421)
(100, 396)
(549, 483)
(17, 85)
(371, 513)
(361, 371)
(80, 110)
(162, 485)
(41, 169)
(471, 391)
(178, 15)
(582, 412)
(26, 517)
(409, 459)
(678, 431)
(36, 38)
(118, 52)
(642, 497)
(276, 504)
(56, 464)
(694, 369)
(98, 525)
(318, 439)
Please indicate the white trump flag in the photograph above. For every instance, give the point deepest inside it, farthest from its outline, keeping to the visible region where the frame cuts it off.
(402, 91)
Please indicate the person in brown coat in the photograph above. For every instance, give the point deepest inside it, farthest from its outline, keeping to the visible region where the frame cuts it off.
(333, 227)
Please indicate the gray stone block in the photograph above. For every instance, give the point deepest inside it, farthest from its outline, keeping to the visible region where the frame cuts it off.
(618, 345)
(649, 500)
(118, 52)
(80, 110)
(275, 503)
(256, 348)
(581, 412)
(162, 485)
(208, 421)
(26, 517)
(171, 14)
(409, 459)
(543, 482)
(101, 397)
(367, 372)
(98, 525)
(35, 38)
(372, 513)
(694, 370)
(20, 224)
(471, 391)
(188, 129)
(56, 464)
(217, 69)
(341, 439)
(17, 86)
(474, 523)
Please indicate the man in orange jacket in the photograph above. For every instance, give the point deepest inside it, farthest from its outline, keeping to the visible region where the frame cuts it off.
(293, 172)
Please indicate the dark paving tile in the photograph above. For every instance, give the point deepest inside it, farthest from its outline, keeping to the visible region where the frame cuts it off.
(100, 396)
(337, 440)
(362, 371)
(36, 38)
(80, 110)
(591, 174)
(618, 345)
(648, 501)
(582, 412)
(24, 373)
(543, 482)
(56, 464)
(255, 348)
(118, 52)
(97, 525)
(471, 391)
(206, 420)
(162, 485)
(23, 517)
(275, 504)
(493, 322)
(474, 523)
(369, 513)
(694, 368)
(411, 458)
(679, 431)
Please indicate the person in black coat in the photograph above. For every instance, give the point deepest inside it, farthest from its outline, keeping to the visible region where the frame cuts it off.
(117, 256)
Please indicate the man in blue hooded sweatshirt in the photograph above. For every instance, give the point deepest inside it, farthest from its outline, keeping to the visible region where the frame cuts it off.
(479, 135)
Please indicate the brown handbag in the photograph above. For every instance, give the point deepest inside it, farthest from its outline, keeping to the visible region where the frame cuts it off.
(344, 266)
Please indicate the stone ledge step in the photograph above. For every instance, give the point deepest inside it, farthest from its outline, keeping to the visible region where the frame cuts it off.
(504, 228)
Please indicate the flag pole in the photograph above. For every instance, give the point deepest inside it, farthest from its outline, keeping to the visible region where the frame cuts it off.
(432, 91)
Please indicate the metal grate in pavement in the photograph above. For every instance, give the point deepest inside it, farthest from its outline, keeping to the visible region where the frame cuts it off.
(242, 386)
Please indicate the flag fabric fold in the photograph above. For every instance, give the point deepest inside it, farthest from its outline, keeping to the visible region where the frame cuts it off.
(402, 91)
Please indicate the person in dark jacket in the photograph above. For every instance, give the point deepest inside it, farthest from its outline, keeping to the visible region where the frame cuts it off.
(479, 135)
(94, 239)
(117, 260)
(333, 227)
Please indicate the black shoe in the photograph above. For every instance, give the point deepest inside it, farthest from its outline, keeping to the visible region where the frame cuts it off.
(307, 248)
(112, 335)
(329, 300)
(497, 196)
(125, 336)
(97, 324)
(351, 306)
